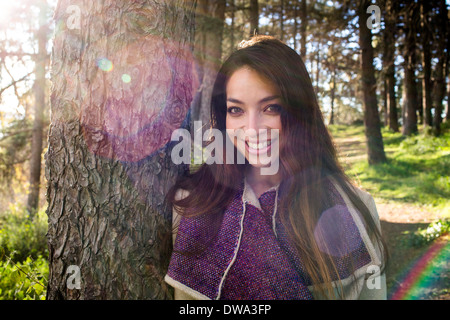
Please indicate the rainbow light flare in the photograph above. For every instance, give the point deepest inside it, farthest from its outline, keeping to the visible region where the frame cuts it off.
(420, 276)
(105, 64)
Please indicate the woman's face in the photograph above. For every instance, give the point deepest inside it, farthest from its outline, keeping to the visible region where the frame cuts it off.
(253, 106)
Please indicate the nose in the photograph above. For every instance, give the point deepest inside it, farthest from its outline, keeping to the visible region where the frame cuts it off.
(254, 121)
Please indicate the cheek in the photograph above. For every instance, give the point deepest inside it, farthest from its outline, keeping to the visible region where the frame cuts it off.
(276, 123)
(232, 123)
(228, 123)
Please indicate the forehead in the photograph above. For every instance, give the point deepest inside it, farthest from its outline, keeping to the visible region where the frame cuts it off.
(248, 82)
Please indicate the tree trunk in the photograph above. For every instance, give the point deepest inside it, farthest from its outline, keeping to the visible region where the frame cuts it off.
(410, 86)
(389, 64)
(333, 94)
(385, 102)
(420, 106)
(426, 65)
(38, 125)
(303, 28)
(447, 113)
(210, 17)
(281, 20)
(254, 17)
(440, 67)
(318, 67)
(375, 147)
(384, 79)
(295, 31)
(233, 10)
(389, 60)
(122, 82)
(392, 100)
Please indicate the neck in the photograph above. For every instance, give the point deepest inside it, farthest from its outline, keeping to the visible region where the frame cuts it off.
(261, 183)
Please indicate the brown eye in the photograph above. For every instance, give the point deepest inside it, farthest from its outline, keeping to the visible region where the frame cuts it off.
(234, 110)
(273, 108)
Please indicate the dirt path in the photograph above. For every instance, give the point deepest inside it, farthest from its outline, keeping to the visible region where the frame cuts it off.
(396, 219)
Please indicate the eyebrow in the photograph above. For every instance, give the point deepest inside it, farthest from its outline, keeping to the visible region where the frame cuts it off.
(260, 101)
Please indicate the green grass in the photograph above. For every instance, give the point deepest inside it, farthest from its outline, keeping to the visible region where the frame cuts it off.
(20, 237)
(417, 171)
(26, 280)
(24, 264)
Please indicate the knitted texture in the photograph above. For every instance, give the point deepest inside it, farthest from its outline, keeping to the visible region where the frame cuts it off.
(245, 259)
(262, 269)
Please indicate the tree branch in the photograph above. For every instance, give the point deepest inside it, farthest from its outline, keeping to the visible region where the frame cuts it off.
(14, 82)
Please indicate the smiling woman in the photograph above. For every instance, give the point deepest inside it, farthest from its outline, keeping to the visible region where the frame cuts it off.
(303, 232)
(253, 105)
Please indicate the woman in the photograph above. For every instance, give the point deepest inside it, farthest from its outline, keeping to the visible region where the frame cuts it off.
(304, 232)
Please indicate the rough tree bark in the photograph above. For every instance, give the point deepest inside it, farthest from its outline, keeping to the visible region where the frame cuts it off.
(122, 82)
(375, 146)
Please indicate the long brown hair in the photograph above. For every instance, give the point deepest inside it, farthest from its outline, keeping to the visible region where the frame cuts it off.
(307, 161)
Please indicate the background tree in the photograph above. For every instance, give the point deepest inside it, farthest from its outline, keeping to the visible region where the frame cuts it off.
(447, 112)
(123, 81)
(254, 17)
(303, 27)
(426, 64)
(375, 148)
(210, 15)
(411, 100)
(24, 57)
(389, 33)
(441, 65)
(39, 88)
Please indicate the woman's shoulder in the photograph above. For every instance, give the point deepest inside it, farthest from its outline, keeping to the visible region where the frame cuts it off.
(369, 201)
(365, 197)
(363, 194)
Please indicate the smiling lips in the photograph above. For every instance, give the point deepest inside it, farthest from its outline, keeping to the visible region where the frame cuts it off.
(257, 148)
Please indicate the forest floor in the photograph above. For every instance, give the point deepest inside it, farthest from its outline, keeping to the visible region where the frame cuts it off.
(412, 269)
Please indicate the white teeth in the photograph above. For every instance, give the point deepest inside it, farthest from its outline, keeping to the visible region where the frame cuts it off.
(260, 145)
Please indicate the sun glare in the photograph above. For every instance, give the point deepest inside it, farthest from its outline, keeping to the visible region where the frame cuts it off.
(6, 8)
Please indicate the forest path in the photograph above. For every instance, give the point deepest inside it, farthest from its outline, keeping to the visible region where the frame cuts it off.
(397, 219)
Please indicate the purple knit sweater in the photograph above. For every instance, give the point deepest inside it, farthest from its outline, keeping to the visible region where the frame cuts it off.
(251, 256)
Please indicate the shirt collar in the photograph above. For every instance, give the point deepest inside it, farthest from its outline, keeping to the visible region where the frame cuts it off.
(250, 197)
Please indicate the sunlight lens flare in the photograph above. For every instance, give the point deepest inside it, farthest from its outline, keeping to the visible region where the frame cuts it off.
(105, 64)
(126, 78)
(422, 275)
